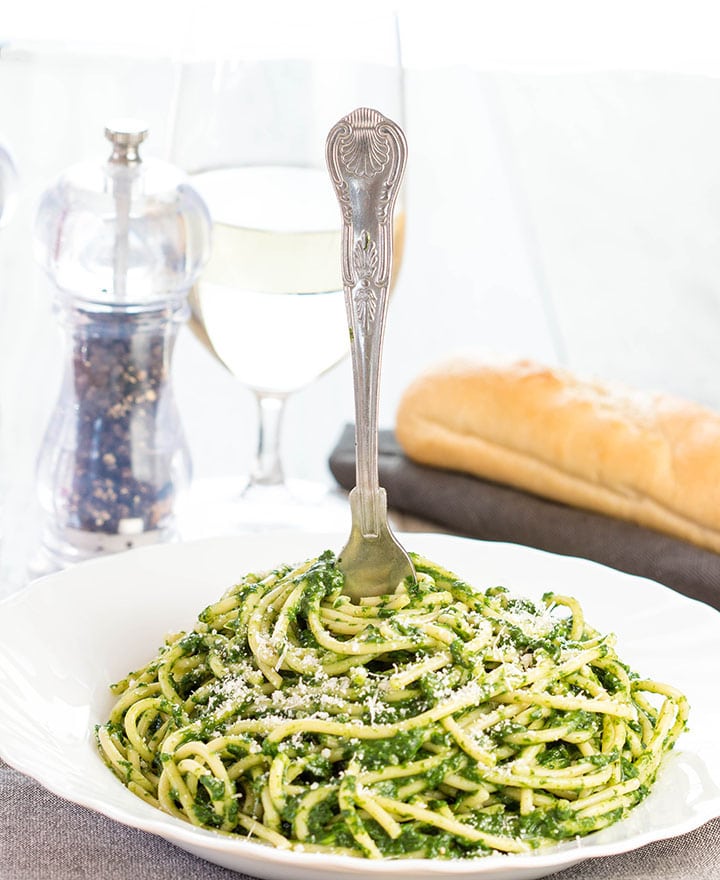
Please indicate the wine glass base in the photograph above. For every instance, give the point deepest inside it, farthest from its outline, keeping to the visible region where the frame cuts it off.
(221, 506)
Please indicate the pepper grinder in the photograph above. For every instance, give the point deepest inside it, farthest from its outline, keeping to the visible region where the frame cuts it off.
(122, 243)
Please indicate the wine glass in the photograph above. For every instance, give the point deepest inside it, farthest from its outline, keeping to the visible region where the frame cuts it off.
(250, 125)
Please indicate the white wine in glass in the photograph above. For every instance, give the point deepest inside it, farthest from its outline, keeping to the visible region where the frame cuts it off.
(274, 273)
(273, 269)
(250, 130)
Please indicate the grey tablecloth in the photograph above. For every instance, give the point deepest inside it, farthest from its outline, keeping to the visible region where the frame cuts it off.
(45, 838)
(466, 505)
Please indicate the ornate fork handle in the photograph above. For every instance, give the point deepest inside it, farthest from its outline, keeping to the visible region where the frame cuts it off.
(366, 155)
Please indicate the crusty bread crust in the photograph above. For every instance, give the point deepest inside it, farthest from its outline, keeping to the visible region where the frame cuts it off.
(648, 458)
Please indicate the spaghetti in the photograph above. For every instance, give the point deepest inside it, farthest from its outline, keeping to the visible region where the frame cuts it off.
(438, 721)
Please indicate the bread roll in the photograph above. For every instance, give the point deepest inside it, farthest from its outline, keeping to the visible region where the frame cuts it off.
(648, 458)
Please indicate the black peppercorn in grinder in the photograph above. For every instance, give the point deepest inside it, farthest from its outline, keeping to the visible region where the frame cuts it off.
(122, 243)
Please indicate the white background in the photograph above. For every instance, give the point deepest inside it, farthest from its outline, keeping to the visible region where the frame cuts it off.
(563, 199)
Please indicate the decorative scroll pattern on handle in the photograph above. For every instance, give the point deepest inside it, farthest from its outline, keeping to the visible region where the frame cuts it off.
(363, 146)
(366, 159)
(365, 262)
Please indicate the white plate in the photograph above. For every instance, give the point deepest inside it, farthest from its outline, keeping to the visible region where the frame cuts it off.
(65, 637)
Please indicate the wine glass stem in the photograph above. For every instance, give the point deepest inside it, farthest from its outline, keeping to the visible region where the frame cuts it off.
(267, 468)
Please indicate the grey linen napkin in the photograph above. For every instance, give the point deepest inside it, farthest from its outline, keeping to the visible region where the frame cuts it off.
(478, 508)
(43, 837)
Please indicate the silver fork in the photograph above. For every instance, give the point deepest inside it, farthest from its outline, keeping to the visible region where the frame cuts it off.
(366, 155)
